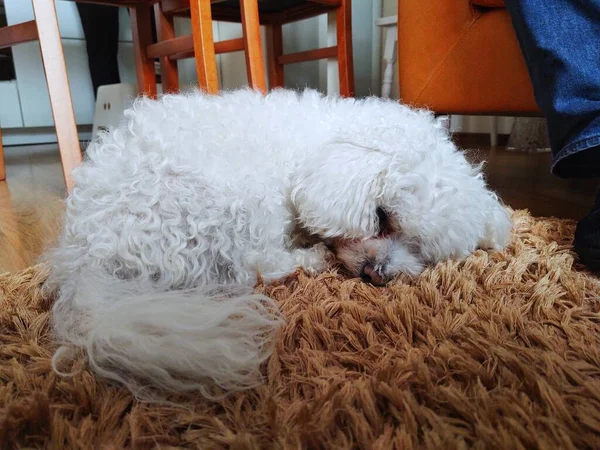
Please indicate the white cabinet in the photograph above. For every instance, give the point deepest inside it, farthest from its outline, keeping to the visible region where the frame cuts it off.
(10, 107)
(30, 80)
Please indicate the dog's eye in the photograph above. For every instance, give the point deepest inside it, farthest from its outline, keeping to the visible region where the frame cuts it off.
(384, 222)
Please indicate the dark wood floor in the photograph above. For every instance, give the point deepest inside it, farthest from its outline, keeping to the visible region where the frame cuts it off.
(523, 181)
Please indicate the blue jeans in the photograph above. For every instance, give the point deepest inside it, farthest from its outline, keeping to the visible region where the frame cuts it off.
(560, 41)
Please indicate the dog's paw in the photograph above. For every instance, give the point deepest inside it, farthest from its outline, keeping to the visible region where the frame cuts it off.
(387, 265)
(315, 259)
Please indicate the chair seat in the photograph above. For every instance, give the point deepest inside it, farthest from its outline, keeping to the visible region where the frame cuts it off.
(264, 6)
(272, 11)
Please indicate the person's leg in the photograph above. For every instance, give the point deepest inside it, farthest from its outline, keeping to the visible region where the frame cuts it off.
(559, 40)
(101, 29)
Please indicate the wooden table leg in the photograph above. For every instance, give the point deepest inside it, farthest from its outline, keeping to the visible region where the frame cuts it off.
(142, 38)
(204, 46)
(255, 64)
(165, 29)
(58, 87)
(344, 48)
(274, 51)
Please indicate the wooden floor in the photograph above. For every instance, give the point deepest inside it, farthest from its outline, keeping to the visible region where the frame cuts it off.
(523, 181)
(31, 198)
(31, 204)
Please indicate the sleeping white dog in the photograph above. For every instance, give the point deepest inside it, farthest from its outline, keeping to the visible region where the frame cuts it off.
(179, 210)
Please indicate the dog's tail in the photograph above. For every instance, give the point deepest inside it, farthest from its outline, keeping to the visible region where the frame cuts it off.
(209, 339)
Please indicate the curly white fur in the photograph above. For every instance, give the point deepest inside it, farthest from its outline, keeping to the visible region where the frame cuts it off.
(177, 211)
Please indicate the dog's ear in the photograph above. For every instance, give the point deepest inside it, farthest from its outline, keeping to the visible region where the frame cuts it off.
(335, 191)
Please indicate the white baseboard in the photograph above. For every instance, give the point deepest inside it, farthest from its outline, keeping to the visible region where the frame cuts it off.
(39, 135)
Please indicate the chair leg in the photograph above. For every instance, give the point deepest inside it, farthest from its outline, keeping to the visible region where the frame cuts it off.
(494, 131)
(274, 51)
(58, 87)
(165, 29)
(204, 46)
(255, 64)
(445, 120)
(141, 28)
(344, 48)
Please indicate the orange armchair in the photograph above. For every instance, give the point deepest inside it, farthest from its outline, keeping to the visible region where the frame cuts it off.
(462, 57)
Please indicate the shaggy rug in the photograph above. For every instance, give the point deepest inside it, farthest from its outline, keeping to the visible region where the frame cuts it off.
(498, 351)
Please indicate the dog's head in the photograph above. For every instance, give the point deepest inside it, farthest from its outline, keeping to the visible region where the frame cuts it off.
(394, 205)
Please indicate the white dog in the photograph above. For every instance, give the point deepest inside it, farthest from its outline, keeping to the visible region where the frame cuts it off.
(177, 212)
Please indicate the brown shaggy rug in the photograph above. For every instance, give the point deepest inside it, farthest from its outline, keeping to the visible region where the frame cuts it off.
(499, 351)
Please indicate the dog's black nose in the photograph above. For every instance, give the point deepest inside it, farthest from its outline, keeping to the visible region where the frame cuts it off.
(370, 275)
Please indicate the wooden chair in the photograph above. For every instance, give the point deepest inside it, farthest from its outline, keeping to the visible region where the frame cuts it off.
(201, 46)
(44, 28)
(251, 14)
(276, 13)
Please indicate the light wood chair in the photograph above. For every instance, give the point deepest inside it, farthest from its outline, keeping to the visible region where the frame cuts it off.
(276, 13)
(44, 28)
(251, 14)
(201, 45)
